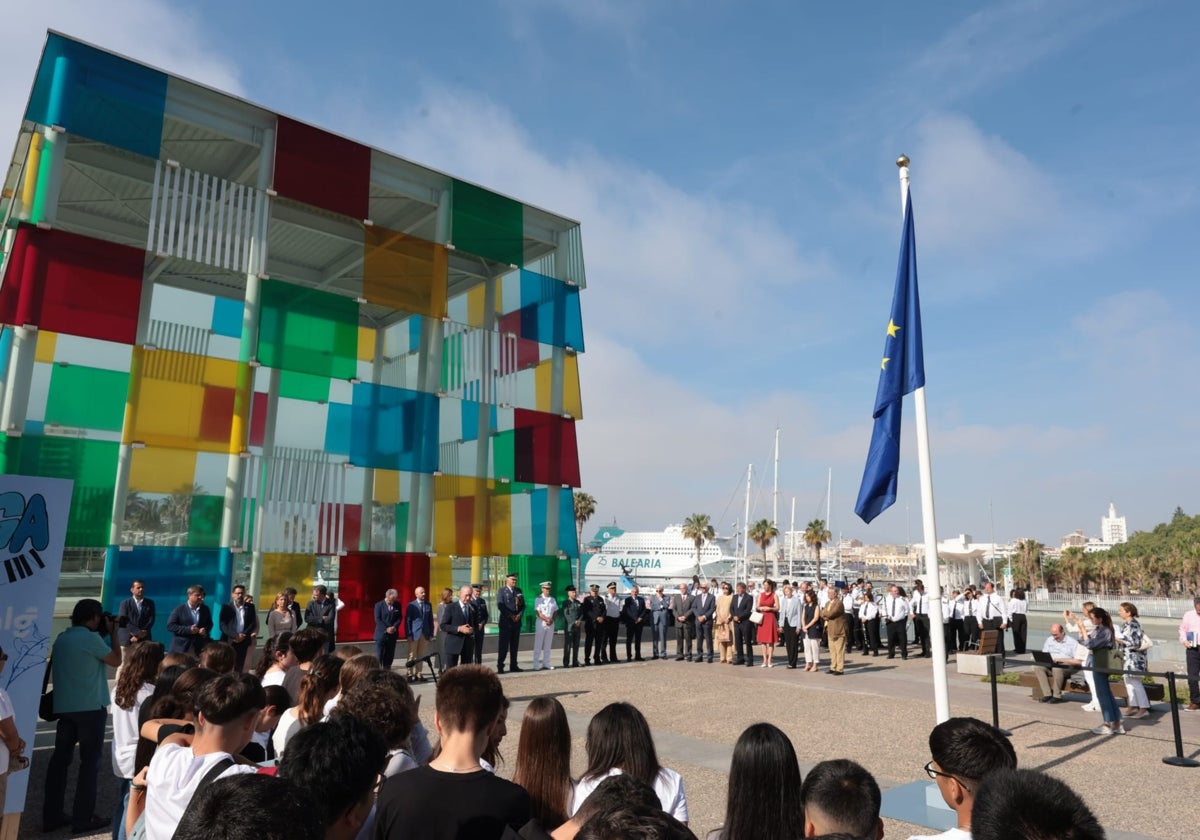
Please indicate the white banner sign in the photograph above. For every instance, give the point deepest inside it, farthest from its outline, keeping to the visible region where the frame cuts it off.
(33, 529)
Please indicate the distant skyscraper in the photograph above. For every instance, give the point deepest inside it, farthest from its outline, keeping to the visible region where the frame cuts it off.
(1112, 527)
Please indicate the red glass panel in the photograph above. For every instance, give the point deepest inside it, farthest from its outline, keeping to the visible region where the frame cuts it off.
(216, 414)
(258, 418)
(321, 169)
(73, 284)
(364, 577)
(546, 451)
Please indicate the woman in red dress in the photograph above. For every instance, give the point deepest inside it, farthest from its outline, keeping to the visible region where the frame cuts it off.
(768, 631)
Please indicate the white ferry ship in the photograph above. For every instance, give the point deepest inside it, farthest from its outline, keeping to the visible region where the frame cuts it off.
(648, 558)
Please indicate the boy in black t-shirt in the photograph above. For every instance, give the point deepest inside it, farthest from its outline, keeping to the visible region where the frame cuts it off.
(453, 796)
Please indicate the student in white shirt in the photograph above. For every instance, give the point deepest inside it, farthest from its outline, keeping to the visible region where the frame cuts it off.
(992, 613)
(1017, 607)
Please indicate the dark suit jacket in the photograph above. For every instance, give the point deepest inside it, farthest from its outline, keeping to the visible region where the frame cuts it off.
(179, 625)
(385, 619)
(480, 608)
(227, 621)
(510, 603)
(633, 609)
(741, 607)
(456, 616)
(709, 608)
(321, 615)
(682, 606)
(294, 607)
(593, 608)
(140, 625)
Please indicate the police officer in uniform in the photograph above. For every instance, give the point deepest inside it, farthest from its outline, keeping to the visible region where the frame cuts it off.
(480, 618)
(612, 620)
(572, 613)
(593, 626)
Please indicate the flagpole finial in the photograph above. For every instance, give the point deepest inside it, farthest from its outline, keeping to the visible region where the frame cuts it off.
(902, 161)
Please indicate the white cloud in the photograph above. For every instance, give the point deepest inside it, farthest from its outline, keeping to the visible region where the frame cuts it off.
(150, 31)
(1132, 337)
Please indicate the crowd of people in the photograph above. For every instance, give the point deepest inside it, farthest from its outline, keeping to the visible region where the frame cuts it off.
(340, 753)
(198, 709)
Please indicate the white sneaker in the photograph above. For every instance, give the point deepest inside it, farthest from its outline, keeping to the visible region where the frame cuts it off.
(549, 667)
(1103, 729)
(1089, 707)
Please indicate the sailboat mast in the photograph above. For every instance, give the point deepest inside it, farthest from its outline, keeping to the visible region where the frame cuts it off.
(775, 502)
(792, 540)
(746, 526)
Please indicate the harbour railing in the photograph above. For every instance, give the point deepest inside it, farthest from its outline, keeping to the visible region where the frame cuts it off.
(1147, 606)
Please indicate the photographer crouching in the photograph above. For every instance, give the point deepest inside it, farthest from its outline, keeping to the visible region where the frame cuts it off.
(80, 678)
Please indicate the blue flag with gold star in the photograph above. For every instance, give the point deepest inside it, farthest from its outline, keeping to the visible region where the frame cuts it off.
(902, 371)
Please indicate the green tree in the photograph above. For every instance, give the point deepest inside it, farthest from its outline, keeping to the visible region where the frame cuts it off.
(763, 532)
(1027, 560)
(1071, 567)
(815, 536)
(585, 507)
(699, 530)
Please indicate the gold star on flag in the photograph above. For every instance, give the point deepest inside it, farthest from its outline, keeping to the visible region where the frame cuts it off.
(892, 329)
(883, 364)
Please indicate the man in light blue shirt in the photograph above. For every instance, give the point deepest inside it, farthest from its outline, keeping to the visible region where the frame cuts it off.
(80, 678)
(1062, 650)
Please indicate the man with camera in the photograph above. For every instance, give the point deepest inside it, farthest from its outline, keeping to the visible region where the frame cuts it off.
(79, 665)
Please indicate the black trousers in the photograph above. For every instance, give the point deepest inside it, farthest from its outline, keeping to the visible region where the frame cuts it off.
(633, 641)
(510, 642)
(704, 636)
(612, 627)
(956, 635)
(593, 634)
(791, 643)
(971, 629)
(464, 656)
(743, 642)
(477, 638)
(951, 636)
(240, 649)
(921, 628)
(685, 631)
(871, 626)
(994, 624)
(385, 651)
(856, 638)
(1193, 672)
(897, 634)
(1020, 629)
(570, 645)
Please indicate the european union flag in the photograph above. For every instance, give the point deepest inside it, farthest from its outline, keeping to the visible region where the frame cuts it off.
(902, 371)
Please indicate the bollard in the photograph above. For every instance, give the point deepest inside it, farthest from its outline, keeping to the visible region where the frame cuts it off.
(991, 662)
(1177, 760)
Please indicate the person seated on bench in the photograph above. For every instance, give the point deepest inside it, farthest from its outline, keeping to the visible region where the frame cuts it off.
(1061, 649)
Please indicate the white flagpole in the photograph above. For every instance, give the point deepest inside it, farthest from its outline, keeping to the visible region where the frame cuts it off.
(941, 686)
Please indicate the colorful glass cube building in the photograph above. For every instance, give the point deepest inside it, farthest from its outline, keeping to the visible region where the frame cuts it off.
(257, 346)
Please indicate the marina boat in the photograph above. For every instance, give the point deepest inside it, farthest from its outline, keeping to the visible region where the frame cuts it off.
(647, 558)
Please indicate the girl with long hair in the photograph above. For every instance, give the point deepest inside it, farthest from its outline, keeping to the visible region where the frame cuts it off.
(1100, 642)
(768, 631)
(810, 626)
(544, 761)
(317, 686)
(619, 741)
(277, 660)
(134, 686)
(764, 776)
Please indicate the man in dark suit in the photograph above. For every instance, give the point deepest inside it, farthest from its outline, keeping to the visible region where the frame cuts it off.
(743, 627)
(388, 618)
(704, 607)
(482, 617)
(511, 604)
(459, 629)
(634, 613)
(239, 625)
(138, 613)
(321, 614)
(685, 624)
(593, 625)
(190, 624)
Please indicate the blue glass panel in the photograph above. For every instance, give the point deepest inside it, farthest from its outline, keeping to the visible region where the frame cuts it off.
(35, 427)
(550, 311)
(99, 96)
(470, 420)
(394, 428)
(168, 572)
(566, 522)
(337, 429)
(414, 333)
(537, 514)
(227, 317)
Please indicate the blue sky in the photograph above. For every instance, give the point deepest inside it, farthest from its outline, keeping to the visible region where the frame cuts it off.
(732, 166)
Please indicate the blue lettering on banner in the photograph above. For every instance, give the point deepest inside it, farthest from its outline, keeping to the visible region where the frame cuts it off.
(21, 522)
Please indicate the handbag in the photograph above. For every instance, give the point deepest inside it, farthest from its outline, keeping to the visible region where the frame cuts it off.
(1146, 644)
(755, 616)
(46, 704)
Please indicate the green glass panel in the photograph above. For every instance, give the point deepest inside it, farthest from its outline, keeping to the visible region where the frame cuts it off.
(488, 225)
(401, 526)
(91, 398)
(503, 457)
(531, 570)
(204, 521)
(303, 386)
(92, 464)
(308, 331)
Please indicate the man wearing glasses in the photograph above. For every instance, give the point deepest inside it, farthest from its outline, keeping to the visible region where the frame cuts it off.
(965, 751)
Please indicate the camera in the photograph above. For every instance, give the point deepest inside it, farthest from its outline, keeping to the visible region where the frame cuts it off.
(109, 619)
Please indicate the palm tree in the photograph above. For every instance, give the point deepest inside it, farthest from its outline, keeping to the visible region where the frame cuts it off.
(763, 532)
(1072, 567)
(815, 536)
(585, 506)
(699, 530)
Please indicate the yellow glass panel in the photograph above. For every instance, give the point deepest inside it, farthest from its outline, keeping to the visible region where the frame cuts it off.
(183, 400)
(46, 344)
(161, 470)
(543, 378)
(281, 571)
(445, 532)
(500, 513)
(387, 487)
(441, 576)
(405, 273)
(366, 344)
(475, 307)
